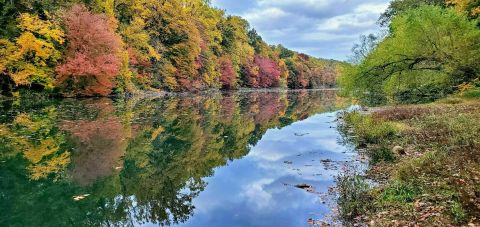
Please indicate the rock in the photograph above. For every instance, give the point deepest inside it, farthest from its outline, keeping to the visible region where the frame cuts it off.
(303, 186)
(398, 150)
(301, 134)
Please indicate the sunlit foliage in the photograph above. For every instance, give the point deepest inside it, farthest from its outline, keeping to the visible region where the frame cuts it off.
(30, 59)
(269, 72)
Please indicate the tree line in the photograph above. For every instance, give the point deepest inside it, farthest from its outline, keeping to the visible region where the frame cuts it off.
(98, 48)
(428, 49)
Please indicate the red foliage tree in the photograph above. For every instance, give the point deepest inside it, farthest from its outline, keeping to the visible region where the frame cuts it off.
(227, 71)
(92, 55)
(269, 72)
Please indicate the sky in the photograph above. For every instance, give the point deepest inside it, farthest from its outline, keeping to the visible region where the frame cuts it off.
(321, 28)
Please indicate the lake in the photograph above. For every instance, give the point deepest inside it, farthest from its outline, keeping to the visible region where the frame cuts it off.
(258, 158)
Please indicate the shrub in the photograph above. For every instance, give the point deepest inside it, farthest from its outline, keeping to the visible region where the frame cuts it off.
(353, 197)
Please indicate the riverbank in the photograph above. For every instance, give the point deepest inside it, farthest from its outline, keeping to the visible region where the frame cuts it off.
(424, 160)
(161, 93)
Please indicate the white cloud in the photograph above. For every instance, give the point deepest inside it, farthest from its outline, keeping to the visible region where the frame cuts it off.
(322, 28)
(257, 196)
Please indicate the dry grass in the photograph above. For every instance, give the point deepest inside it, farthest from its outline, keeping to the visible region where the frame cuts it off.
(437, 181)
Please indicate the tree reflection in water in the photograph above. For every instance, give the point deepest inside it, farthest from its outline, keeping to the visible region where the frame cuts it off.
(139, 160)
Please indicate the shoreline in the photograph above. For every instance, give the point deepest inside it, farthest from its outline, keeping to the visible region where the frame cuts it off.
(152, 94)
(424, 160)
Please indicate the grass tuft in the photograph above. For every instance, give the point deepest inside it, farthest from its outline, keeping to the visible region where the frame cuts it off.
(353, 196)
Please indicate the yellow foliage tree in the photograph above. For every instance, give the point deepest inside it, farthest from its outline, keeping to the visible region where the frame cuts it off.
(471, 7)
(30, 60)
(138, 40)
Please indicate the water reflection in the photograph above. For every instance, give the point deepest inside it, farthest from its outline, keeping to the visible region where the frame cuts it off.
(149, 161)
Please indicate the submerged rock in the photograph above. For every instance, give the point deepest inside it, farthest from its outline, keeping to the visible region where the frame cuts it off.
(301, 134)
(306, 187)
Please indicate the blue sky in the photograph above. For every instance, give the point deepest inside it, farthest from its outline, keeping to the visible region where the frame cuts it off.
(322, 28)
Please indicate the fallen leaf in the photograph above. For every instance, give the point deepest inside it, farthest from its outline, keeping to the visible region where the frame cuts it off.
(80, 197)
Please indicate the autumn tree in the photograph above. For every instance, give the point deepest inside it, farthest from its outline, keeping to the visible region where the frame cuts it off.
(228, 75)
(235, 41)
(206, 20)
(92, 56)
(10, 10)
(29, 61)
(172, 30)
(123, 46)
(256, 41)
(249, 75)
(470, 7)
(269, 72)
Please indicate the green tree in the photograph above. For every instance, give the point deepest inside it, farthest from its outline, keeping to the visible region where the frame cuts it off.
(397, 7)
(429, 51)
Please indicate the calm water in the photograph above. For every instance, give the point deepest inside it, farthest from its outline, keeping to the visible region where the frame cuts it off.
(184, 160)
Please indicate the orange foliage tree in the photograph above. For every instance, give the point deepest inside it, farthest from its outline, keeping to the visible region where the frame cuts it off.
(93, 50)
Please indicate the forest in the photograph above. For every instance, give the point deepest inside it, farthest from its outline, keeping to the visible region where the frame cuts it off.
(428, 49)
(77, 48)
